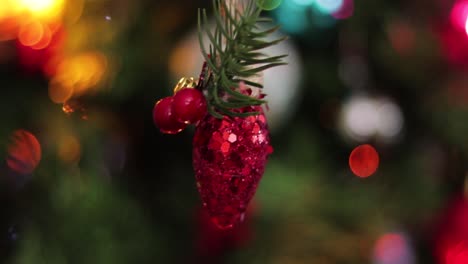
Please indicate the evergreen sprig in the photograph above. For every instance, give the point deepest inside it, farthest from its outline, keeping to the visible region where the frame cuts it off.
(235, 55)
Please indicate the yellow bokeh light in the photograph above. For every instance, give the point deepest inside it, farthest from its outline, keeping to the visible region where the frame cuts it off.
(72, 11)
(9, 8)
(42, 8)
(60, 90)
(69, 149)
(77, 75)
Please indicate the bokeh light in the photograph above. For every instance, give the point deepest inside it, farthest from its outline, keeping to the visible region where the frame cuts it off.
(328, 6)
(9, 27)
(24, 152)
(363, 118)
(402, 36)
(451, 235)
(60, 90)
(10, 9)
(292, 17)
(457, 254)
(31, 33)
(48, 9)
(459, 15)
(393, 248)
(297, 16)
(345, 11)
(69, 149)
(77, 75)
(390, 120)
(466, 26)
(73, 11)
(360, 117)
(45, 39)
(364, 161)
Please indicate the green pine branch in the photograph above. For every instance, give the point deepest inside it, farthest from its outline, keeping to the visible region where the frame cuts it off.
(235, 55)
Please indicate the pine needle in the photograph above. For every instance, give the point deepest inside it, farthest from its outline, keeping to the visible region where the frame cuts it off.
(234, 55)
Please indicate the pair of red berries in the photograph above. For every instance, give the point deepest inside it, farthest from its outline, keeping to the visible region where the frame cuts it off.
(172, 114)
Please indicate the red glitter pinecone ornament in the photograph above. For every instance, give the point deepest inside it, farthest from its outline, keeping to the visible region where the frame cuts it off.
(229, 158)
(232, 142)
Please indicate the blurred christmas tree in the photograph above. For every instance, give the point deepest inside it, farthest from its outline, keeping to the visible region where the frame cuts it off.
(87, 178)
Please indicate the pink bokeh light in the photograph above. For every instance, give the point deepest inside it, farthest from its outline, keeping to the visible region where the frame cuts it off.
(345, 11)
(459, 15)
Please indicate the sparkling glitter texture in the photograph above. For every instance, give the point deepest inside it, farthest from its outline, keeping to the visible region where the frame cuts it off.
(229, 158)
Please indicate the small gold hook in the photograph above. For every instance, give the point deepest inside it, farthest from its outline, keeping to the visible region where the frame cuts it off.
(185, 82)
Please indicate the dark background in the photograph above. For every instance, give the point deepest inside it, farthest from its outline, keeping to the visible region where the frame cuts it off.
(128, 195)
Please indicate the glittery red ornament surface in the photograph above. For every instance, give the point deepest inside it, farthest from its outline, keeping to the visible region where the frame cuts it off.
(229, 158)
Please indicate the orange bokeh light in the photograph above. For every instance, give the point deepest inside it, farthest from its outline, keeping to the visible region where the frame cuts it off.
(77, 75)
(69, 149)
(24, 152)
(9, 27)
(27, 20)
(31, 33)
(59, 90)
(45, 39)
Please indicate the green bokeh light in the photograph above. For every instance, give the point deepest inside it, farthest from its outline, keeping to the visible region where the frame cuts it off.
(268, 4)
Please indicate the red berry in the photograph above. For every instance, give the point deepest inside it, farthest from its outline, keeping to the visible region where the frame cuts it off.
(189, 106)
(164, 118)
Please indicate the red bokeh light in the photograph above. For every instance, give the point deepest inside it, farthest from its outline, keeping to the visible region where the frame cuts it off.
(457, 254)
(451, 235)
(24, 152)
(45, 54)
(402, 37)
(364, 161)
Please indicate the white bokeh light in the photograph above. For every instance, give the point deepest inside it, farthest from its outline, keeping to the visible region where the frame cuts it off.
(360, 118)
(365, 117)
(390, 119)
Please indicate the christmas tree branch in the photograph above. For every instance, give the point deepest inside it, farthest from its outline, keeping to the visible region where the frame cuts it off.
(234, 56)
